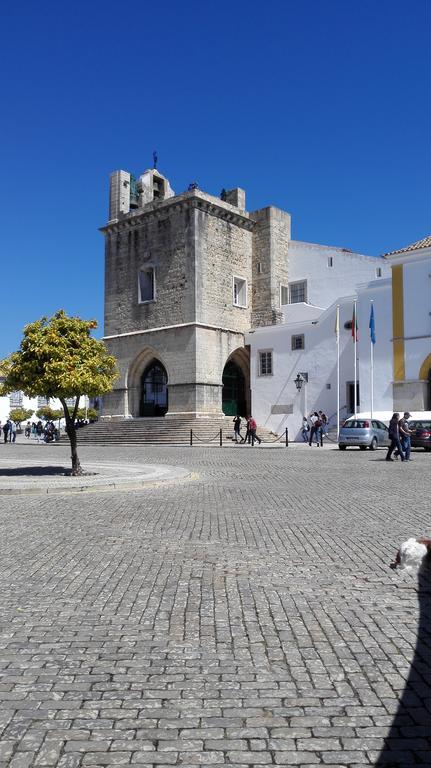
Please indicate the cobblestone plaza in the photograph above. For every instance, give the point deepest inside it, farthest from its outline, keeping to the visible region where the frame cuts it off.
(245, 615)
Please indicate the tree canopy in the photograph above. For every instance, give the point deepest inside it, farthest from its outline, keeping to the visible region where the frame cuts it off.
(20, 414)
(58, 357)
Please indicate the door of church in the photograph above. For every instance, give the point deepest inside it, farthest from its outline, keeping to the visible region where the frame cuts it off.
(154, 390)
(233, 397)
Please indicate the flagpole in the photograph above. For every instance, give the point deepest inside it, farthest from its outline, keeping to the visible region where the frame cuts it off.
(371, 367)
(338, 370)
(355, 332)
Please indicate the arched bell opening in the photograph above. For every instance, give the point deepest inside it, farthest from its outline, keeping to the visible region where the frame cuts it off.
(154, 390)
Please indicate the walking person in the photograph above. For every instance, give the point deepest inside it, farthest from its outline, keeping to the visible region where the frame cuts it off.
(324, 420)
(27, 431)
(394, 437)
(253, 427)
(6, 426)
(39, 430)
(315, 427)
(247, 436)
(405, 436)
(237, 429)
(305, 429)
(12, 432)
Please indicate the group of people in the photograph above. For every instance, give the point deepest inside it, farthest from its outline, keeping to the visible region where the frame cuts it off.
(47, 432)
(400, 437)
(250, 436)
(314, 428)
(9, 431)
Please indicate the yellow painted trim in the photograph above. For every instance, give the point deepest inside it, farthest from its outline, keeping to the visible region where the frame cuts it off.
(398, 322)
(425, 368)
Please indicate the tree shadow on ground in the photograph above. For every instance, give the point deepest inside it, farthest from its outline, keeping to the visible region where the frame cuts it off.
(33, 471)
(409, 740)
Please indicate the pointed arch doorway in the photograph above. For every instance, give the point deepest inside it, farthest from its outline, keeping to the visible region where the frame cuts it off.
(236, 387)
(154, 390)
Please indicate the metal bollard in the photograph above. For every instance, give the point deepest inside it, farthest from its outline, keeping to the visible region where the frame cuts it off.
(287, 437)
(221, 437)
(191, 437)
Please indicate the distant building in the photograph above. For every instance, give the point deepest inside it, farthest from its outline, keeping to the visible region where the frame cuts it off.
(186, 277)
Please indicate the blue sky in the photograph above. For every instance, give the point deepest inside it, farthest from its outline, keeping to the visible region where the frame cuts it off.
(319, 107)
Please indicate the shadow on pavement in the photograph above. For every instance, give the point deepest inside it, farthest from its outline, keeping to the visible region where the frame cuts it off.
(33, 471)
(409, 740)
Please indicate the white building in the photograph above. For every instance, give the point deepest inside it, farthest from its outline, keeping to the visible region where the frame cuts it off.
(306, 344)
(411, 324)
(19, 400)
(319, 274)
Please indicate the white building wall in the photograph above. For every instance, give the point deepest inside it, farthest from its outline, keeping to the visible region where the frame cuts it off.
(380, 291)
(309, 261)
(318, 359)
(417, 317)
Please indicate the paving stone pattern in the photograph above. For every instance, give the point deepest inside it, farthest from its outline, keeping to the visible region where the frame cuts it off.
(244, 618)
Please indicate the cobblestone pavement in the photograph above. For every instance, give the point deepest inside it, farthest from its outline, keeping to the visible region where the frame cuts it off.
(245, 618)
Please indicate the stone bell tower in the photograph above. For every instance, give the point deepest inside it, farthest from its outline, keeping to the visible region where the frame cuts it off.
(186, 276)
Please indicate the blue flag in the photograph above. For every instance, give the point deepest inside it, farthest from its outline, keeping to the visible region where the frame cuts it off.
(372, 325)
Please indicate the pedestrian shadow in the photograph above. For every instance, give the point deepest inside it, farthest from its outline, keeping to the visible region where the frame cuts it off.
(33, 471)
(409, 739)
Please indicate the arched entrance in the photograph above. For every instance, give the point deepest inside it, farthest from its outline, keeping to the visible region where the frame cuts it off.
(154, 390)
(234, 390)
(425, 375)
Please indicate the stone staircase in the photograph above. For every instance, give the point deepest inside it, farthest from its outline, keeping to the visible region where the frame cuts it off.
(160, 431)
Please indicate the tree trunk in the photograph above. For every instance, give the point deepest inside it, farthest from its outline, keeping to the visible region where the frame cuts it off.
(71, 433)
(76, 466)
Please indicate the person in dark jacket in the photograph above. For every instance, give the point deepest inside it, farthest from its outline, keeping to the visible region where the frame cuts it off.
(394, 437)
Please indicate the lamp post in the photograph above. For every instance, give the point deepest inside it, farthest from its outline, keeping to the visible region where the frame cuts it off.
(302, 378)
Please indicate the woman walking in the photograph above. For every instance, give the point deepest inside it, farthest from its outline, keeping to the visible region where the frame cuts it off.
(394, 436)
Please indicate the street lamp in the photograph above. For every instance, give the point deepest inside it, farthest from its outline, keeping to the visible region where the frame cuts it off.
(301, 378)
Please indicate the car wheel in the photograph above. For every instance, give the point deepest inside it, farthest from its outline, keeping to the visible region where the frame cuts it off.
(362, 447)
(342, 447)
(373, 444)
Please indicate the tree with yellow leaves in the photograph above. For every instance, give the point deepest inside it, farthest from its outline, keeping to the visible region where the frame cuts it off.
(58, 357)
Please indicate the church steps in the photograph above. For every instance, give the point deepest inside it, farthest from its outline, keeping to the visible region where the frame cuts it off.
(158, 431)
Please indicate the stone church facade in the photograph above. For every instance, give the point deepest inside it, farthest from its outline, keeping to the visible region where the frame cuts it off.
(186, 276)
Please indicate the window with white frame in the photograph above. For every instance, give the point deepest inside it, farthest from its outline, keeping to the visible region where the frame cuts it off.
(265, 363)
(15, 399)
(330, 261)
(298, 341)
(284, 294)
(298, 292)
(146, 284)
(239, 292)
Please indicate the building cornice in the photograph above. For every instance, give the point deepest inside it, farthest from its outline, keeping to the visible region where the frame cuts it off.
(171, 328)
(195, 200)
(406, 257)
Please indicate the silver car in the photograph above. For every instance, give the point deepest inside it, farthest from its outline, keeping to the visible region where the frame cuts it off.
(363, 433)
